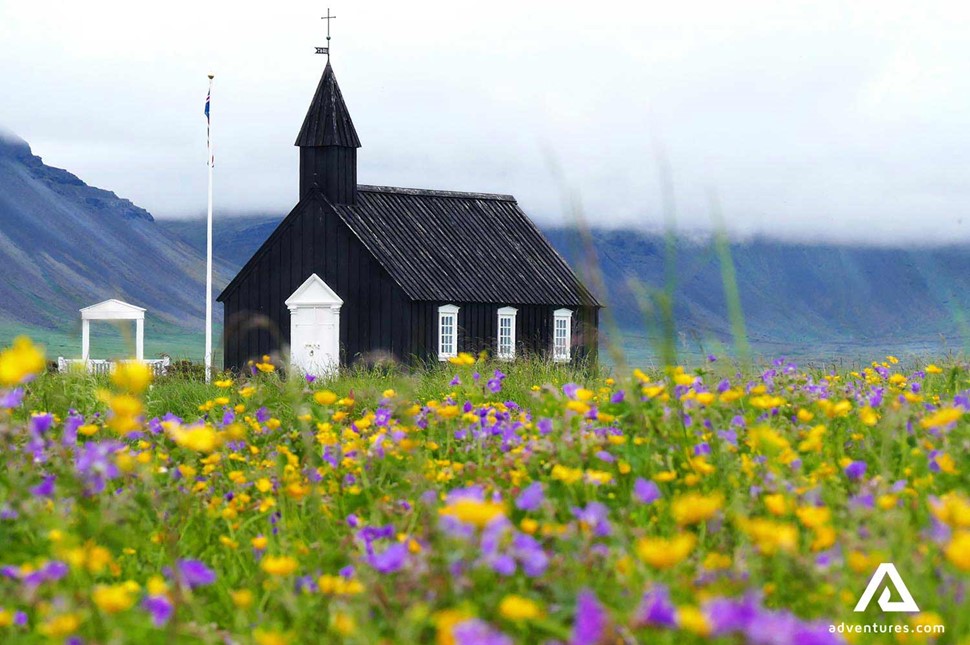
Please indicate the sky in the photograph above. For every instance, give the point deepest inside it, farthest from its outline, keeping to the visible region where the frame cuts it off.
(839, 121)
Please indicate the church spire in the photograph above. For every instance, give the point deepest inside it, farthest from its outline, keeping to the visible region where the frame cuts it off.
(328, 144)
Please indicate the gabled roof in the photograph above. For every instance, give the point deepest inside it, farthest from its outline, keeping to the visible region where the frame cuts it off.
(112, 309)
(313, 291)
(461, 247)
(327, 122)
(446, 246)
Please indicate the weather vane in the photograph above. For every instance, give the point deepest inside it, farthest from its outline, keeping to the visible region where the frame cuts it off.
(328, 18)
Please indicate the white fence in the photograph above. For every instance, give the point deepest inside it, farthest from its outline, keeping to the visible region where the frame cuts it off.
(96, 366)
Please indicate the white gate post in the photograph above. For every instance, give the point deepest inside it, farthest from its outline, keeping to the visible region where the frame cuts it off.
(85, 339)
(140, 339)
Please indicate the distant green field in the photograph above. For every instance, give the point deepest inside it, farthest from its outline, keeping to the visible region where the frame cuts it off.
(110, 340)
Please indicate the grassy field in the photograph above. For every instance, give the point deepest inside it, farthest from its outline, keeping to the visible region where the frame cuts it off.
(109, 340)
(484, 503)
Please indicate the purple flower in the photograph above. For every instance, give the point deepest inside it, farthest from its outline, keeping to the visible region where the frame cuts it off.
(12, 399)
(596, 517)
(544, 426)
(45, 488)
(530, 498)
(95, 463)
(855, 470)
(310, 378)
(645, 491)
(477, 632)
(618, 396)
(530, 555)
(656, 610)
(390, 560)
(728, 615)
(711, 358)
(591, 620)
(161, 609)
(41, 423)
(194, 573)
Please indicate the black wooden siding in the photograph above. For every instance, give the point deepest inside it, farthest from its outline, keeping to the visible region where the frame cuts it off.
(332, 170)
(478, 329)
(375, 316)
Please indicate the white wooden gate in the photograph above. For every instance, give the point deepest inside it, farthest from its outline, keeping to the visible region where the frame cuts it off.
(314, 328)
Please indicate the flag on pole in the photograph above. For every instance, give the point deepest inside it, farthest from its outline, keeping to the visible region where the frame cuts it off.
(210, 162)
(208, 124)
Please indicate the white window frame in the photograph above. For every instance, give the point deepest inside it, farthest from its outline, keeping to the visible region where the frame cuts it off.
(562, 319)
(447, 313)
(506, 314)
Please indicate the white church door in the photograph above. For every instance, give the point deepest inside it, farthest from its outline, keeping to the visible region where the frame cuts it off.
(314, 328)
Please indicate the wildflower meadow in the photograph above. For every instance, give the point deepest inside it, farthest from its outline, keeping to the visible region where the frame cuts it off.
(481, 502)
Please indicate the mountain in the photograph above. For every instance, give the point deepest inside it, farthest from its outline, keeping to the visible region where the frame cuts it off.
(65, 245)
(808, 299)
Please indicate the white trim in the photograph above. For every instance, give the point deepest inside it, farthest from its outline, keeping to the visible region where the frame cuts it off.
(447, 331)
(562, 334)
(314, 292)
(506, 351)
(112, 309)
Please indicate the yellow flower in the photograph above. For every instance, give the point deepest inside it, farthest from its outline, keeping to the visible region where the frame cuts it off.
(259, 542)
(770, 537)
(463, 358)
(267, 637)
(125, 411)
(20, 361)
(693, 508)
(814, 516)
(518, 608)
(776, 504)
(343, 623)
(958, 550)
(200, 438)
(473, 511)
(266, 367)
(241, 598)
(444, 621)
(953, 509)
(60, 626)
(113, 598)
(693, 620)
(767, 401)
(804, 415)
(868, 416)
(325, 397)
(933, 369)
(132, 376)
(282, 565)
(942, 417)
(662, 553)
(565, 474)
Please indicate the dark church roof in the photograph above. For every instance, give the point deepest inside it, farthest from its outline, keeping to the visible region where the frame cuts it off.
(327, 122)
(447, 246)
(463, 247)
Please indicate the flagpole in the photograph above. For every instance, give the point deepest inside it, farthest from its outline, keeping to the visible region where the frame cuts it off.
(208, 254)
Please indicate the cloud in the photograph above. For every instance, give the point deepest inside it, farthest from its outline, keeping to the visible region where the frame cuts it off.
(822, 120)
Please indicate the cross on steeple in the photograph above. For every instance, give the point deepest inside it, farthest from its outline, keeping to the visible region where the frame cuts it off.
(328, 18)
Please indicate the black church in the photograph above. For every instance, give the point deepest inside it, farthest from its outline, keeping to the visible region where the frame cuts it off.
(371, 273)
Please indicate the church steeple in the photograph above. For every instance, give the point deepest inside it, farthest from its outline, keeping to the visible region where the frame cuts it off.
(328, 144)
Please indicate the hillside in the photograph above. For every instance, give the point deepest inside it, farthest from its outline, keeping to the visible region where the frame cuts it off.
(65, 245)
(797, 298)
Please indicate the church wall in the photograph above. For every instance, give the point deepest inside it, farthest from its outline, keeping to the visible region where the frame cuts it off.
(375, 320)
(478, 329)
